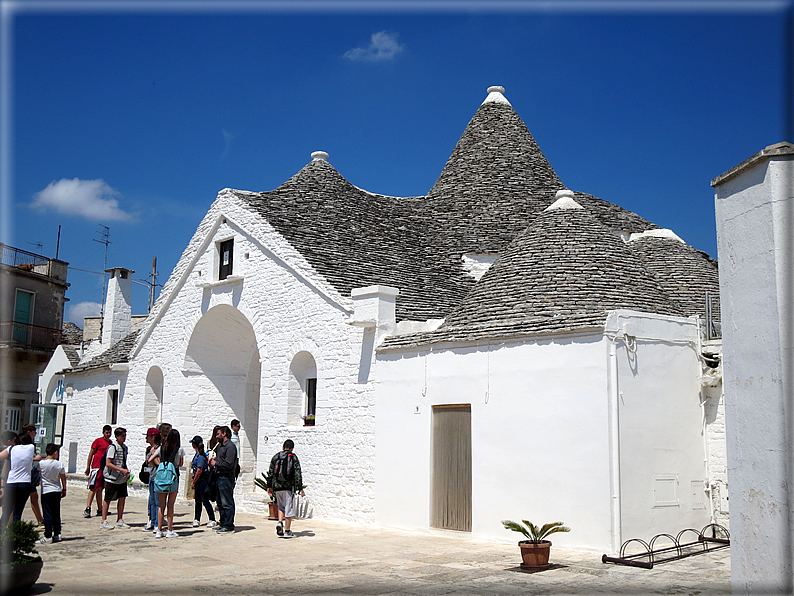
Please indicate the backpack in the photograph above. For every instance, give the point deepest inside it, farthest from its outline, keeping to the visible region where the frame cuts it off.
(284, 471)
(106, 472)
(164, 477)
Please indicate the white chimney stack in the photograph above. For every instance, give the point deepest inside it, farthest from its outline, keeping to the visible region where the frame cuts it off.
(117, 318)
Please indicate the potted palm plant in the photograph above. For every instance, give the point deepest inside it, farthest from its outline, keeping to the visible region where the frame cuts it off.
(19, 569)
(272, 506)
(535, 549)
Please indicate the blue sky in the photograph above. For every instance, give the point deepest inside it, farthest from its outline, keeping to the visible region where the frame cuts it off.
(135, 118)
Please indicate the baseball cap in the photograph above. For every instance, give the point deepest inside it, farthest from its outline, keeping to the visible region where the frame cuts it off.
(195, 440)
(152, 431)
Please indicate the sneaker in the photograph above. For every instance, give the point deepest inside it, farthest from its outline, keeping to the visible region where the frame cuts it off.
(158, 534)
(288, 534)
(99, 513)
(280, 528)
(106, 525)
(223, 530)
(44, 540)
(87, 512)
(171, 534)
(196, 523)
(121, 524)
(148, 527)
(56, 538)
(212, 523)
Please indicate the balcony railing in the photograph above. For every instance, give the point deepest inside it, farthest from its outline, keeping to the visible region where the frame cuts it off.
(28, 261)
(21, 335)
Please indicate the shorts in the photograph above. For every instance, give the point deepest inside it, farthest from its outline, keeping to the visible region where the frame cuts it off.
(114, 492)
(286, 502)
(96, 479)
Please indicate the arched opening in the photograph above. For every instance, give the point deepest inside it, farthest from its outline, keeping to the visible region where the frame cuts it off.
(222, 375)
(302, 388)
(153, 396)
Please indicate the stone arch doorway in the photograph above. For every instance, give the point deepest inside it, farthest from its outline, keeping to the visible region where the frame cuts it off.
(222, 373)
(153, 396)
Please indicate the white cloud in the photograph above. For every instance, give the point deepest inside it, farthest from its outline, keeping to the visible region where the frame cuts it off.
(383, 46)
(92, 199)
(83, 309)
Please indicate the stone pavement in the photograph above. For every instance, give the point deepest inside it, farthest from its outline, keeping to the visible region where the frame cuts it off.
(331, 558)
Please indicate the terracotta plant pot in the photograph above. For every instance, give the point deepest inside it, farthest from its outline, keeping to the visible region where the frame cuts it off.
(535, 556)
(272, 510)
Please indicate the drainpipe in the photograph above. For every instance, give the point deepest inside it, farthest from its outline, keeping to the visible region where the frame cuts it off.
(614, 444)
(702, 399)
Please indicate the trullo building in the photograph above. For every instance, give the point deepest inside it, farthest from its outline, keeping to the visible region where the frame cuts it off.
(501, 348)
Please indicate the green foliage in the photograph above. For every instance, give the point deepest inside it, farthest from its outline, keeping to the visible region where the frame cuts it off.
(535, 534)
(18, 541)
(262, 483)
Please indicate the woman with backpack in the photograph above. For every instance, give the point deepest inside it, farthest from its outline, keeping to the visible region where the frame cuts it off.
(200, 469)
(168, 458)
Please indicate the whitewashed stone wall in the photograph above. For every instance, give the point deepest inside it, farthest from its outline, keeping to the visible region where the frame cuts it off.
(754, 203)
(278, 306)
(543, 439)
(87, 411)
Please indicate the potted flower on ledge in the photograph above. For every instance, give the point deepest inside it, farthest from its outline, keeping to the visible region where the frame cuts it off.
(19, 569)
(535, 550)
(308, 420)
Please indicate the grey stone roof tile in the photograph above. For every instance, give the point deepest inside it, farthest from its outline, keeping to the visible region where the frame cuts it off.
(115, 354)
(71, 333)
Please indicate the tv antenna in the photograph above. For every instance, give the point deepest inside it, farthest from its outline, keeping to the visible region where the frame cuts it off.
(104, 238)
(38, 245)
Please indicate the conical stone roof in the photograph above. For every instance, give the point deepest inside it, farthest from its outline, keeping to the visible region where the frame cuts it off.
(355, 238)
(563, 273)
(686, 273)
(497, 180)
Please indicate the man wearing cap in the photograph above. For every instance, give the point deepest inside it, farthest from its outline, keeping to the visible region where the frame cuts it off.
(152, 443)
(200, 481)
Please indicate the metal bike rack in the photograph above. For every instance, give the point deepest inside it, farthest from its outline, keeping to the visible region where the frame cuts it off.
(650, 555)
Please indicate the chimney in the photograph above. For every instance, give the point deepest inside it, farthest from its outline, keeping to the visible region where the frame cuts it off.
(117, 319)
(375, 307)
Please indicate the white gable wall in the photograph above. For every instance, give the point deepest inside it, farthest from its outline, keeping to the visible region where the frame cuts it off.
(278, 307)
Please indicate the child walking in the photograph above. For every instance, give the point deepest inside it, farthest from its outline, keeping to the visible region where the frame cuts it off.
(53, 489)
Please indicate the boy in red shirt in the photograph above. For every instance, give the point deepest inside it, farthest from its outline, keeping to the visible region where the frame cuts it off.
(96, 482)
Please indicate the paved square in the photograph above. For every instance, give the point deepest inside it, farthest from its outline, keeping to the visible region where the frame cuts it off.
(331, 558)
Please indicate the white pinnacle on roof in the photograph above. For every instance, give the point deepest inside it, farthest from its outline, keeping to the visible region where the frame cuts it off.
(319, 156)
(495, 95)
(659, 233)
(564, 201)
